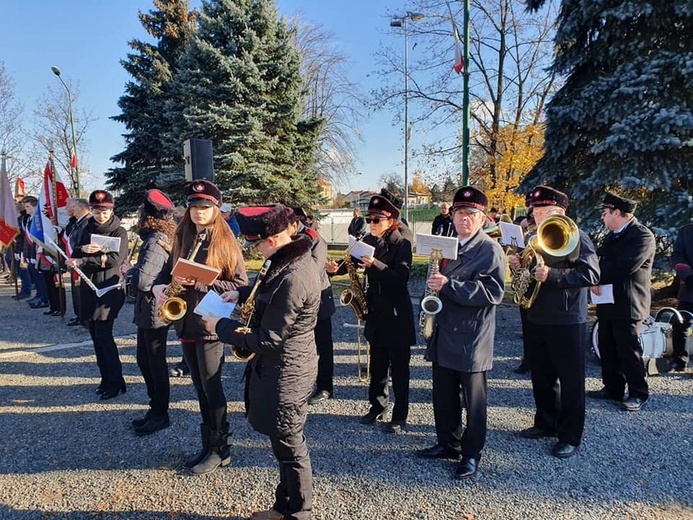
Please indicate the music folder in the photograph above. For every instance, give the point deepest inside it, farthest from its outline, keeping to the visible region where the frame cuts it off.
(193, 271)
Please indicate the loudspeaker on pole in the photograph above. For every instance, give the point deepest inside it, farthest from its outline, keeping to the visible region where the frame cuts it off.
(199, 161)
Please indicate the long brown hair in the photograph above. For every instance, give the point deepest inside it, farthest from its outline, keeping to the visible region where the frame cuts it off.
(224, 252)
(165, 226)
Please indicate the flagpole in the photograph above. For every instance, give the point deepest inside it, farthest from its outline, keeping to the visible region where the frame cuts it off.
(54, 221)
(465, 100)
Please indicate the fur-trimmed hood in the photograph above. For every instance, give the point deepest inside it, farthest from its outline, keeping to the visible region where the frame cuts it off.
(300, 245)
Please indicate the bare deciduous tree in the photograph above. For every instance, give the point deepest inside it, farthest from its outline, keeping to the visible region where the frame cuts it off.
(11, 132)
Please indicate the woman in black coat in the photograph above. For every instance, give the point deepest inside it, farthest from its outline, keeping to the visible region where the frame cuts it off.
(202, 350)
(390, 321)
(156, 228)
(102, 266)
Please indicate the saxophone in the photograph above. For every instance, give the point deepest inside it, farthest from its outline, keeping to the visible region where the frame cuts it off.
(247, 311)
(430, 303)
(354, 297)
(174, 307)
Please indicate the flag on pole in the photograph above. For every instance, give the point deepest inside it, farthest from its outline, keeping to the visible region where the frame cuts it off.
(9, 227)
(73, 160)
(19, 189)
(459, 59)
(42, 228)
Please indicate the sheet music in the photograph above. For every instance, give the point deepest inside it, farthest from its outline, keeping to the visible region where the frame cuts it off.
(107, 243)
(360, 248)
(212, 304)
(607, 295)
(426, 243)
(511, 235)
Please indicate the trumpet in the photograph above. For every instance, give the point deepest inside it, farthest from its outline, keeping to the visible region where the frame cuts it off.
(248, 313)
(174, 307)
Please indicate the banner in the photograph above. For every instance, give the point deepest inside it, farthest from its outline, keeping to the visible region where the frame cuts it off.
(41, 225)
(9, 227)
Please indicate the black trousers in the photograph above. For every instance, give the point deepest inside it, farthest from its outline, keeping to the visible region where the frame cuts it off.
(557, 354)
(205, 359)
(451, 390)
(621, 358)
(323, 340)
(294, 494)
(106, 351)
(151, 358)
(678, 337)
(74, 284)
(56, 293)
(395, 357)
(523, 321)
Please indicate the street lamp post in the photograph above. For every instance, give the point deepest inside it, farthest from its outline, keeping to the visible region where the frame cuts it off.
(401, 21)
(75, 179)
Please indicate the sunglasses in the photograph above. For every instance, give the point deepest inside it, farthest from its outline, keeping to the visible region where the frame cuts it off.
(374, 220)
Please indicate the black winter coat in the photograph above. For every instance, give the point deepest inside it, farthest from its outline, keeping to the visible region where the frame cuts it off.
(191, 326)
(625, 261)
(280, 377)
(318, 252)
(683, 262)
(150, 262)
(390, 312)
(108, 306)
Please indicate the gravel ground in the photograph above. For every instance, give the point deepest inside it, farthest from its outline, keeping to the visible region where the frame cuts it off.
(64, 454)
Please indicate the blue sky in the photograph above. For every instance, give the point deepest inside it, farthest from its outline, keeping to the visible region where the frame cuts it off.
(87, 38)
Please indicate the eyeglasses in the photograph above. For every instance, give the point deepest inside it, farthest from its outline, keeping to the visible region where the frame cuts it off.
(374, 220)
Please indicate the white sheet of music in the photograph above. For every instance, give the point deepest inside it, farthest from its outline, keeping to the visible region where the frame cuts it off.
(212, 304)
(427, 243)
(108, 243)
(360, 249)
(607, 295)
(511, 235)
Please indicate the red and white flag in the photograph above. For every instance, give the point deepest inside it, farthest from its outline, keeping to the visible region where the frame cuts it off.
(9, 227)
(459, 59)
(19, 189)
(42, 227)
(73, 160)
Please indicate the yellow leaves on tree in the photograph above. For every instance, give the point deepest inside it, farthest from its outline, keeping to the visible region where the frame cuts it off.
(418, 185)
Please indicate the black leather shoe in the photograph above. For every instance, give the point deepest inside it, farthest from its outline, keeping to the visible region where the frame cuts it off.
(100, 389)
(114, 392)
(677, 364)
(603, 394)
(467, 468)
(136, 423)
(395, 426)
(74, 322)
(563, 450)
(372, 417)
(535, 433)
(154, 424)
(48, 313)
(56, 313)
(633, 404)
(522, 368)
(39, 305)
(319, 396)
(439, 452)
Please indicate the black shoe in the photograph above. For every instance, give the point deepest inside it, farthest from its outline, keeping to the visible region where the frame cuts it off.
(372, 417)
(74, 322)
(677, 364)
(48, 313)
(563, 450)
(522, 368)
(100, 389)
(319, 396)
(535, 433)
(21, 296)
(114, 392)
(34, 301)
(439, 452)
(56, 313)
(395, 426)
(39, 305)
(603, 394)
(467, 468)
(633, 404)
(136, 423)
(154, 424)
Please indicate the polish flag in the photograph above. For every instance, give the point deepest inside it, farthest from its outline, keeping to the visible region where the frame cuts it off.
(459, 60)
(9, 228)
(73, 160)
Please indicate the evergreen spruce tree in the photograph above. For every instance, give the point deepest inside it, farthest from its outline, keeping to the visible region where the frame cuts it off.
(150, 159)
(623, 120)
(239, 84)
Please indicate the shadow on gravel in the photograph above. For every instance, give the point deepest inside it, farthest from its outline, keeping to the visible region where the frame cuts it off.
(8, 512)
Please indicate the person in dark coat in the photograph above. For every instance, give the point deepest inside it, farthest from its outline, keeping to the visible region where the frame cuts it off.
(461, 347)
(357, 226)
(103, 269)
(442, 223)
(389, 326)
(682, 258)
(625, 262)
(556, 330)
(156, 229)
(78, 209)
(203, 351)
(280, 376)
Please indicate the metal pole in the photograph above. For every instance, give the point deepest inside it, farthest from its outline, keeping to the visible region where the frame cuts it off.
(406, 120)
(76, 184)
(465, 101)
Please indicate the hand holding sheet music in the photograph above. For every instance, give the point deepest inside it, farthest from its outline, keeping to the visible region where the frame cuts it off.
(213, 305)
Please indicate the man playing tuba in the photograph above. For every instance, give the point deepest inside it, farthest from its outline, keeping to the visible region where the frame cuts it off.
(555, 330)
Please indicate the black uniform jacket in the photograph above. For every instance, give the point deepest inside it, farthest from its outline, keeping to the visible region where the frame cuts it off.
(104, 271)
(152, 258)
(191, 326)
(625, 260)
(390, 312)
(319, 254)
(466, 326)
(280, 377)
(683, 262)
(562, 298)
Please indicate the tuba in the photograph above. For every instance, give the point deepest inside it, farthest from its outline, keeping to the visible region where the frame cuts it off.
(557, 239)
(174, 307)
(430, 303)
(247, 310)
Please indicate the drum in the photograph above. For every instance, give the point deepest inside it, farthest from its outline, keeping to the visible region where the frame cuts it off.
(655, 339)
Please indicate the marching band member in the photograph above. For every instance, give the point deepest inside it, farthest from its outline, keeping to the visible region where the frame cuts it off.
(461, 348)
(203, 228)
(156, 229)
(555, 332)
(280, 376)
(103, 268)
(390, 320)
